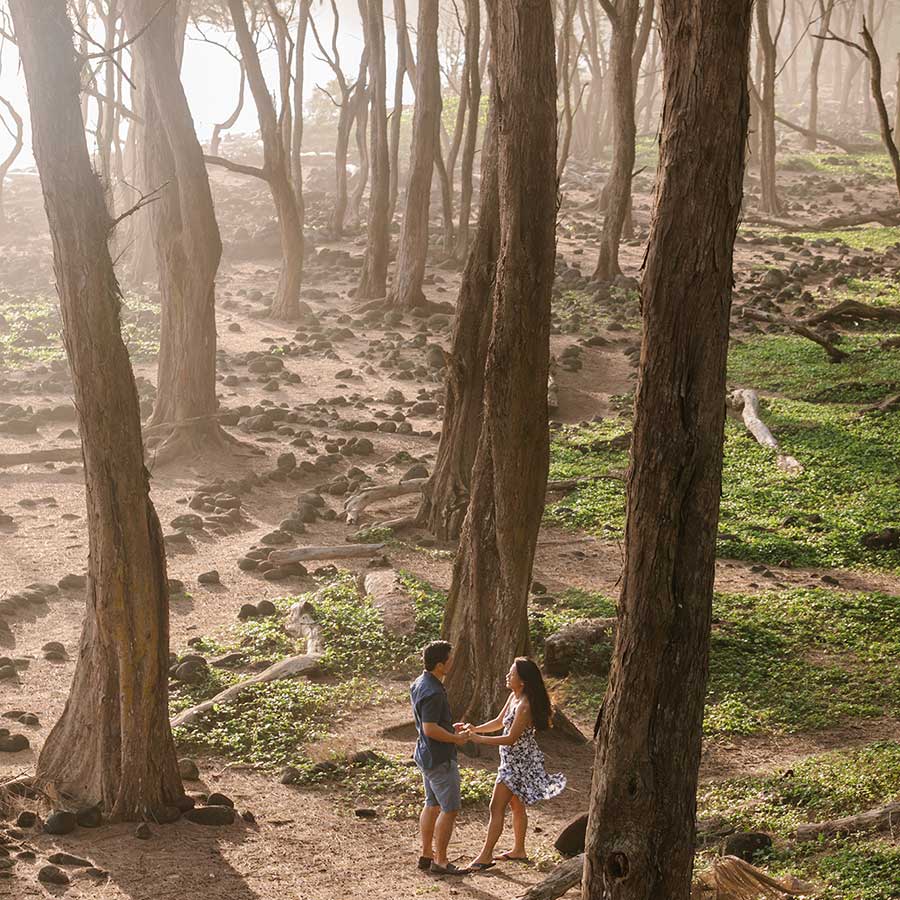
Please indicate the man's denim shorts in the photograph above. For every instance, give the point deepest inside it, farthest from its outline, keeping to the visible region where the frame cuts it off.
(442, 786)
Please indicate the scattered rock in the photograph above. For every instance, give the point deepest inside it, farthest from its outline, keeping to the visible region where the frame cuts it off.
(210, 577)
(67, 859)
(143, 832)
(364, 812)
(52, 875)
(217, 799)
(210, 815)
(188, 769)
(89, 817)
(747, 844)
(60, 822)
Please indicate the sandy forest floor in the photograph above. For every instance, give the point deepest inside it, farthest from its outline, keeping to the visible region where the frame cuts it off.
(306, 841)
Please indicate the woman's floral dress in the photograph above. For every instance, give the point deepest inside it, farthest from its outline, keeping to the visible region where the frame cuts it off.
(522, 766)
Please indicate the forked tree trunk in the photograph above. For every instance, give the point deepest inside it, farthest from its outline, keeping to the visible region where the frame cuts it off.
(15, 150)
(445, 497)
(769, 202)
(373, 278)
(186, 238)
(472, 89)
(397, 116)
(407, 289)
(276, 171)
(884, 120)
(487, 610)
(640, 836)
(826, 7)
(215, 140)
(112, 745)
(623, 17)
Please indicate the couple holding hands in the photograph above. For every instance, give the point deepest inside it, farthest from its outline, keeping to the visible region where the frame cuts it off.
(521, 778)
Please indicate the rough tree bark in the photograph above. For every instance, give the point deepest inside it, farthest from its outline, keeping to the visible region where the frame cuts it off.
(623, 16)
(487, 616)
(445, 497)
(112, 745)
(186, 240)
(373, 278)
(276, 171)
(640, 840)
(397, 115)
(407, 288)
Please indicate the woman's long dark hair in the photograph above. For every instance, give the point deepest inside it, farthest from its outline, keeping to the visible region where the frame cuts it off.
(536, 692)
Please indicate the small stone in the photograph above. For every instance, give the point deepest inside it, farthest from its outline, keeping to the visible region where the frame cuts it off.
(746, 845)
(52, 875)
(210, 577)
(26, 819)
(248, 817)
(218, 799)
(143, 832)
(72, 582)
(60, 822)
(188, 769)
(67, 859)
(247, 611)
(210, 815)
(13, 743)
(266, 608)
(89, 817)
(363, 812)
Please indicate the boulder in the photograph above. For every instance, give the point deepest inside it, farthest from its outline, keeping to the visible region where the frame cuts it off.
(388, 595)
(562, 649)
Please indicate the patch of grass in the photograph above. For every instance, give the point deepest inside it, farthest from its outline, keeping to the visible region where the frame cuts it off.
(834, 163)
(33, 329)
(798, 368)
(862, 237)
(187, 695)
(788, 661)
(874, 291)
(397, 786)
(267, 725)
(849, 487)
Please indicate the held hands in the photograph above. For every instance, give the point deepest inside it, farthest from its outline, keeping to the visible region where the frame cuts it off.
(467, 730)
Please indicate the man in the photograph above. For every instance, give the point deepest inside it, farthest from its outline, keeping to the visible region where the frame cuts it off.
(435, 756)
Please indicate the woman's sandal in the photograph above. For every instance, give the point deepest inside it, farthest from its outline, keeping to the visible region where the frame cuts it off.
(510, 858)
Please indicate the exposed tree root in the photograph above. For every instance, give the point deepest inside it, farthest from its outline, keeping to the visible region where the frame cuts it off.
(304, 554)
(191, 440)
(798, 327)
(359, 501)
(40, 456)
(853, 309)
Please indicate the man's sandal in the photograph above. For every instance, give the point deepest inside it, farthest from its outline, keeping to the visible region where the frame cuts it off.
(424, 863)
(449, 869)
(481, 867)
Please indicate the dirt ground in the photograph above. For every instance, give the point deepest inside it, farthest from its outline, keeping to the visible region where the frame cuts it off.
(307, 843)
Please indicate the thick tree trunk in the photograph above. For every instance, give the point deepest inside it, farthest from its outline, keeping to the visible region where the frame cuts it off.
(769, 202)
(407, 289)
(640, 839)
(618, 190)
(445, 497)
(112, 744)
(276, 171)
(472, 89)
(186, 239)
(487, 610)
(826, 7)
(397, 116)
(373, 278)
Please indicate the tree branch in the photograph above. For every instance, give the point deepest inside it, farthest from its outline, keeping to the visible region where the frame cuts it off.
(241, 169)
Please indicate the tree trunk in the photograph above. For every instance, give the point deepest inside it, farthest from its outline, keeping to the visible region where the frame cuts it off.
(276, 171)
(472, 89)
(373, 278)
(826, 7)
(216, 139)
(407, 291)
(445, 497)
(769, 203)
(618, 191)
(487, 610)
(397, 117)
(112, 745)
(299, 81)
(12, 156)
(884, 120)
(186, 239)
(640, 839)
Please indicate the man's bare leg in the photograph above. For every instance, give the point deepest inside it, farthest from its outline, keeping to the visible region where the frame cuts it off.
(443, 830)
(427, 819)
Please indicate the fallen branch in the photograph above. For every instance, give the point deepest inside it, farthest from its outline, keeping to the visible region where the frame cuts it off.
(292, 667)
(40, 456)
(798, 327)
(883, 818)
(853, 309)
(304, 554)
(565, 876)
(747, 403)
(359, 501)
(826, 138)
(569, 484)
(890, 216)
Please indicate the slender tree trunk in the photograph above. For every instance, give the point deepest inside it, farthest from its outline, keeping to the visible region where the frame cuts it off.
(299, 82)
(618, 191)
(361, 104)
(216, 139)
(112, 745)
(445, 497)
(769, 202)
(640, 838)
(884, 120)
(397, 117)
(826, 7)
(487, 614)
(16, 149)
(472, 90)
(373, 279)
(186, 238)
(276, 171)
(407, 291)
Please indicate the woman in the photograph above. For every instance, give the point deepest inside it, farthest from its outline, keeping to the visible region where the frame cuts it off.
(521, 778)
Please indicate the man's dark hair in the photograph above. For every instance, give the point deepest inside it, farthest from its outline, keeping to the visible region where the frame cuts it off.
(436, 653)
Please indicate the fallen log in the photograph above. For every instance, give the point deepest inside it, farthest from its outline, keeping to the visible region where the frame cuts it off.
(72, 454)
(798, 327)
(747, 403)
(827, 138)
(890, 216)
(889, 404)
(853, 309)
(304, 554)
(292, 667)
(359, 501)
(565, 876)
(883, 818)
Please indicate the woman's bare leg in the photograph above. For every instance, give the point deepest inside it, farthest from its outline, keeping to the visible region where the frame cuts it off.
(499, 801)
(520, 827)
